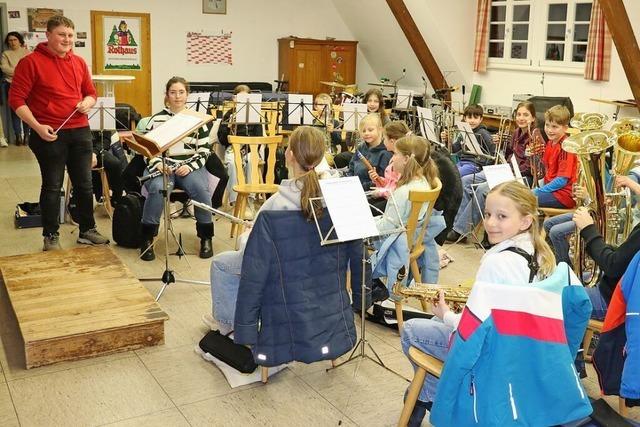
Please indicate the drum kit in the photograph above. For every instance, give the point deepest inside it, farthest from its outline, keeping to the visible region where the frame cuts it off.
(342, 93)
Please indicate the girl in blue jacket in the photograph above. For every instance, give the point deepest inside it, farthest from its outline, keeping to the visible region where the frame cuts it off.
(510, 221)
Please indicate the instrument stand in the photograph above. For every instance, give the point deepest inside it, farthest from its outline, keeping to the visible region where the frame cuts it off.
(477, 242)
(168, 276)
(359, 351)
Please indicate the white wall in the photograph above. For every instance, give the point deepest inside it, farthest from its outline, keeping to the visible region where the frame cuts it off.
(256, 25)
(448, 28)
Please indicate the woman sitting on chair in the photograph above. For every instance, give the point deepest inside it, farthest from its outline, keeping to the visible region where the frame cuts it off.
(305, 151)
(191, 177)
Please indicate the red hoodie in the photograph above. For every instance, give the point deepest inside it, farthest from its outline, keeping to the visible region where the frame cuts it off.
(51, 87)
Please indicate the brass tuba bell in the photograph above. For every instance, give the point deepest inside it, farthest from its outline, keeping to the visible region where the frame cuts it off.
(589, 121)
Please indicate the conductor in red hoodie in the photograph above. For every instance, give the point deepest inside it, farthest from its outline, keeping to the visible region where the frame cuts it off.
(52, 92)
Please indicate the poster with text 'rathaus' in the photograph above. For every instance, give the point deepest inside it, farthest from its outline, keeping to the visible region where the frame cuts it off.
(121, 43)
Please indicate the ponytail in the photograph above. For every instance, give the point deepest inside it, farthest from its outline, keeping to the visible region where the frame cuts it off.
(307, 145)
(420, 162)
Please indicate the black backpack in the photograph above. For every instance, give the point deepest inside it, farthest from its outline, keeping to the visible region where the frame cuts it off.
(127, 217)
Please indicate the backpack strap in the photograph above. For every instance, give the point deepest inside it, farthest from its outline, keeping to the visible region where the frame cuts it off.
(532, 261)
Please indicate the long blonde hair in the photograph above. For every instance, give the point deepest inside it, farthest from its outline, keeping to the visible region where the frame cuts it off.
(420, 163)
(307, 145)
(527, 204)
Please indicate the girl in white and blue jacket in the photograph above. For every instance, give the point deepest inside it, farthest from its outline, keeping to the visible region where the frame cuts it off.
(519, 255)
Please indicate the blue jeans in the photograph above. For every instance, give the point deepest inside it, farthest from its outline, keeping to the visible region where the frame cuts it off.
(19, 127)
(548, 200)
(559, 228)
(466, 167)
(225, 281)
(599, 310)
(196, 184)
(430, 259)
(469, 214)
(432, 337)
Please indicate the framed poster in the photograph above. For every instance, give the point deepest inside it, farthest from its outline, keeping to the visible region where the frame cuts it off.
(120, 44)
(214, 6)
(37, 18)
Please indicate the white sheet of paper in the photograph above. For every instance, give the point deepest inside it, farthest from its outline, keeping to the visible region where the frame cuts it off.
(108, 112)
(248, 108)
(516, 169)
(497, 174)
(172, 128)
(470, 142)
(296, 111)
(348, 207)
(425, 116)
(352, 114)
(198, 101)
(404, 98)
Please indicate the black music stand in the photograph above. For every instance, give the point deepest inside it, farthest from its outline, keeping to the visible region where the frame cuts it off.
(151, 148)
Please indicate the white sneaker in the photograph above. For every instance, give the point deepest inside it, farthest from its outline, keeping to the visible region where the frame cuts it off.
(3, 142)
(209, 322)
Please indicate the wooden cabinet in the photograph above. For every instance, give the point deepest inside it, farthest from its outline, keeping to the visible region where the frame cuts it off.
(307, 62)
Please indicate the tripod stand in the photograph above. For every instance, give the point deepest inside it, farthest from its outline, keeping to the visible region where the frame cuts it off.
(168, 276)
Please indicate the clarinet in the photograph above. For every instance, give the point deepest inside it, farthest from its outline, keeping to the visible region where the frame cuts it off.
(156, 173)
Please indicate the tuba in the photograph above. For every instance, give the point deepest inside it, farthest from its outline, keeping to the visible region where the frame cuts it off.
(589, 121)
(590, 147)
(626, 141)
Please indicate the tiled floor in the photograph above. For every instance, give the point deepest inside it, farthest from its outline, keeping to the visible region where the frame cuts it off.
(170, 385)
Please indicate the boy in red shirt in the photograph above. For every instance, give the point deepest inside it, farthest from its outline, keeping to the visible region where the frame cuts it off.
(52, 92)
(560, 166)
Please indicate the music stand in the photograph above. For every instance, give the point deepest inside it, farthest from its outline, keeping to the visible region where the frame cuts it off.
(352, 219)
(198, 101)
(158, 142)
(300, 109)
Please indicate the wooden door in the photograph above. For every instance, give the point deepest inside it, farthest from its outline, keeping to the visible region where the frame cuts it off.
(340, 63)
(307, 68)
(122, 45)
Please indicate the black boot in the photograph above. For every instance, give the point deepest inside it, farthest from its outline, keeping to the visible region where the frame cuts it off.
(148, 232)
(419, 412)
(205, 233)
(453, 236)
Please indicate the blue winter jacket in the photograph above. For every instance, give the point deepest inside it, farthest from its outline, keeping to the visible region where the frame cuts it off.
(378, 156)
(292, 300)
(511, 363)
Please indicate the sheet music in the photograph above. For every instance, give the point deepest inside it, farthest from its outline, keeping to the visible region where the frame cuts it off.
(352, 114)
(172, 128)
(248, 108)
(108, 113)
(516, 168)
(198, 101)
(404, 98)
(497, 174)
(470, 142)
(348, 207)
(425, 116)
(296, 111)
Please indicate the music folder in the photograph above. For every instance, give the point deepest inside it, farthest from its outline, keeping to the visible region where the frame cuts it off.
(159, 140)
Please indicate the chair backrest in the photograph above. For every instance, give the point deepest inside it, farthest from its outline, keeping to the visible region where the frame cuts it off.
(270, 110)
(418, 199)
(254, 143)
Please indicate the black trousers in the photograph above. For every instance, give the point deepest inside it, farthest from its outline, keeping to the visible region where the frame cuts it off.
(216, 168)
(114, 167)
(72, 149)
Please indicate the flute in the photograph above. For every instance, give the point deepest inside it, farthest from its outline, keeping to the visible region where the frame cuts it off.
(157, 173)
(220, 213)
(379, 182)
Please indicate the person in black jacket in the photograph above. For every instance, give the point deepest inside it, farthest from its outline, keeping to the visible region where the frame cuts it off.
(612, 261)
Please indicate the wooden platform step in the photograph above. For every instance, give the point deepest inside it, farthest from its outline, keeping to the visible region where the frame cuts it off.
(79, 303)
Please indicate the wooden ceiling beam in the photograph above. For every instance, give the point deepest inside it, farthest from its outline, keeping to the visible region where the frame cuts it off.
(419, 46)
(625, 41)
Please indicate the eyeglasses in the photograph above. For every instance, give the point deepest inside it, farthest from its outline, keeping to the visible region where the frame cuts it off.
(177, 92)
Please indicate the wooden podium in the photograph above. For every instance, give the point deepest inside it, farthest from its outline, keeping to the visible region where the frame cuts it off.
(79, 303)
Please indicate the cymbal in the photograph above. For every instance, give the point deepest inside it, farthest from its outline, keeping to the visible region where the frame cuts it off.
(333, 84)
(381, 84)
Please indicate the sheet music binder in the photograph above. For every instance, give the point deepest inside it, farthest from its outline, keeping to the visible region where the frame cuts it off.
(149, 147)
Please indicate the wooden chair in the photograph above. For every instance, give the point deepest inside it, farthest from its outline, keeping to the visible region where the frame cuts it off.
(242, 188)
(592, 327)
(415, 242)
(425, 364)
(271, 110)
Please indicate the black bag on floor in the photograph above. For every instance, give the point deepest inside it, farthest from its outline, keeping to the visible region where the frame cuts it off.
(223, 348)
(127, 217)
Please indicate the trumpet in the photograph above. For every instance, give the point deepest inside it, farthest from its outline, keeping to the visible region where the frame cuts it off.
(503, 136)
(156, 173)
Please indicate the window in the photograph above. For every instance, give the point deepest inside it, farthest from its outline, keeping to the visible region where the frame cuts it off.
(539, 35)
(509, 30)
